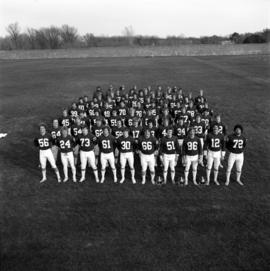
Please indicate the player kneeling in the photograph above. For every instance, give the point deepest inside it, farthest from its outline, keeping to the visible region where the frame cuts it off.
(86, 142)
(126, 146)
(106, 144)
(66, 144)
(235, 144)
(147, 148)
(214, 150)
(192, 151)
(169, 149)
(44, 142)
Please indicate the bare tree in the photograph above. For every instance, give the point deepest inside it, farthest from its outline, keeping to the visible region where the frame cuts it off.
(90, 40)
(32, 37)
(129, 33)
(52, 35)
(14, 32)
(69, 35)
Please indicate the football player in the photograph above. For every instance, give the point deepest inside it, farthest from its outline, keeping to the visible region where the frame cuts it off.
(147, 146)
(235, 144)
(126, 146)
(44, 142)
(66, 144)
(136, 130)
(87, 141)
(214, 151)
(65, 120)
(192, 152)
(221, 126)
(55, 133)
(76, 131)
(97, 131)
(199, 127)
(74, 112)
(106, 144)
(169, 150)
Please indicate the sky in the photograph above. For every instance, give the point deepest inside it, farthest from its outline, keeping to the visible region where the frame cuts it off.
(147, 17)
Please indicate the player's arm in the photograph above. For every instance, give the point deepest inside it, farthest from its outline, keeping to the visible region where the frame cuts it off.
(206, 144)
(36, 142)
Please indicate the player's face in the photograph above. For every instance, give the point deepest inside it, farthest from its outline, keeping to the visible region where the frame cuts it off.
(114, 113)
(136, 123)
(64, 133)
(147, 133)
(85, 98)
(78, 121)
(85, 131)
(192, 133)
(74, 106)
(150, 125)
(55, 124)
(181, 122)
(201, 92)
(126, 133)
(119, 123)
(42, 130)
(238, 131)
(198, 119)
(215, 130)
(98, 123)
(106, 132)
(218, 119)
(65, 113)
(169, 133)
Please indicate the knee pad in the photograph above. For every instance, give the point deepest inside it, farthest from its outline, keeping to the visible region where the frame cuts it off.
(152, 172)
(143, 173)
(165, 171)
(215, 169)
(172, 171)
(43, 169)
(238, 171)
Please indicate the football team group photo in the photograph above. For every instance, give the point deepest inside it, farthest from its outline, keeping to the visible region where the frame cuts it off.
(134, 135)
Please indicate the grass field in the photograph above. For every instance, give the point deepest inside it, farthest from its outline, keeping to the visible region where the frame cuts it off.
(90, 226)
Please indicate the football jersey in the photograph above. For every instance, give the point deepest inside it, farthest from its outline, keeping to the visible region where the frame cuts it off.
(162, 131)
(55, 133)
(117, 131)
(74, 113)
(236, 144)
(91, 111)
(214, 142)
(207, 121)
(185, 117)
(199, 129)
(181, 131)
(129, 121)
(147, 145)
(106, 113)
(136, 131)
(122, 111)
(81, 106)
(65, 121)
(85, 122)
(106, 143)
(76, 130)
(153, 131)
(97, 131)
(126, 144)
(44, 142)
(113, 121)
(169, 145)
(192, 146)
(86, 142)
(191, 112)
(139, 112)
(66, 144)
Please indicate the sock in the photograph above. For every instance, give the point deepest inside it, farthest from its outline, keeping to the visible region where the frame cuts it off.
(114, 174)
(43, 174)
(96, 174)
(228, 175)
(152, 177)
(194, 174)
(215, 175)
(208, 175)
(123, 173)
(103, 174)
(73, 172)
(132, 171)
(172, 175)
(186, 176)
(57, 173)
(65, 169)
(165, 173)
(83, 173)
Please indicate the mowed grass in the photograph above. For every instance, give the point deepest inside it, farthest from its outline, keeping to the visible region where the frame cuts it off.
(90, 226)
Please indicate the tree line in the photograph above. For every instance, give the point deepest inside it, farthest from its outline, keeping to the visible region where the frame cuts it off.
(66, 36)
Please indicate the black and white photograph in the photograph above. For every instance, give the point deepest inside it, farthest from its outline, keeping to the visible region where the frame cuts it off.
(134, 135)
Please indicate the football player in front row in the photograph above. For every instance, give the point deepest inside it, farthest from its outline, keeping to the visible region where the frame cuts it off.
(126, 145)
(106, 143)
(44, 142)
(147, 146)
(235, 144)
(66, 144)
(169, 150)
(214, 151)
(87, 142)
(192, 152)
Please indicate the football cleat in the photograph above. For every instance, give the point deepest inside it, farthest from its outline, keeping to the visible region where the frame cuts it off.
(102, 180)
(74, 180)
(115, 181)
(203, 181)
(122, 180)
(134, 181)
(82, 180)
(65, 180)
(59, 180)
